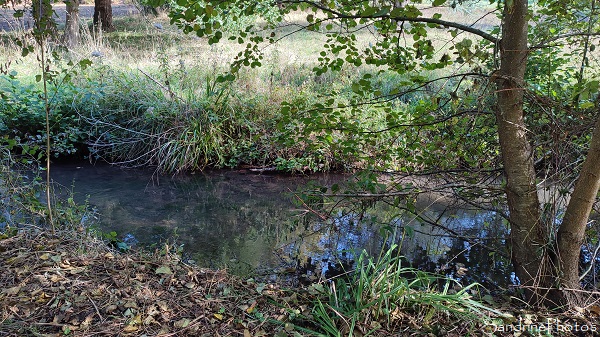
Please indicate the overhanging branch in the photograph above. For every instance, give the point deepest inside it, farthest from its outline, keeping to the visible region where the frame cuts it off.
(451, 24)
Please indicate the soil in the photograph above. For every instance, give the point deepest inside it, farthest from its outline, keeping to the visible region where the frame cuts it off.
(86, 12)
(65, 285)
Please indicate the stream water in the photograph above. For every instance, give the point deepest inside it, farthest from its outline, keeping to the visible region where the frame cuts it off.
(248, 223)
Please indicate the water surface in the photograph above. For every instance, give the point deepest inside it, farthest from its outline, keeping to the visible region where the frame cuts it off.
(249, 223)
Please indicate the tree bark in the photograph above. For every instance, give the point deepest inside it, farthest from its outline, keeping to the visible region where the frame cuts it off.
(528, 235)
(71, 37)
(103, 15)
(572, 230)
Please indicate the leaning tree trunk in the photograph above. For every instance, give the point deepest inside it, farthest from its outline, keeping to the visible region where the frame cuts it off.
(103, 15)
(572, 230)
(71, 37)
(528, 234)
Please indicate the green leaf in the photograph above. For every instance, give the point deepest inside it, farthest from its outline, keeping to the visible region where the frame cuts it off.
(586, 105)
(163, 270)
(438, 2)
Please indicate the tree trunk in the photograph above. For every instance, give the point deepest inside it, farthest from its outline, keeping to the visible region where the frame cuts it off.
(572, 230)
(103, 15)
(528, 235)
(71, 37)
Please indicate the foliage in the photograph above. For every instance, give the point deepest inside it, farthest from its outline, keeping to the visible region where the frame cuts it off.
(135, 125)
(406, 41)
(379, 292)
(469, 60)
(22, 116)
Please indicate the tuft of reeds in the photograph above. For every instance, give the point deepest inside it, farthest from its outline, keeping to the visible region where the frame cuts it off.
(381, 293)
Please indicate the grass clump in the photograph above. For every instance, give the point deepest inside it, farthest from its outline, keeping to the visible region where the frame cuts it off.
(381, 296)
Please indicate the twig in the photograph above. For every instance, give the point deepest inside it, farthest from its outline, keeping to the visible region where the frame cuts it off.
(95, 307)
(591, 263)
(321, 216)
(171, 93)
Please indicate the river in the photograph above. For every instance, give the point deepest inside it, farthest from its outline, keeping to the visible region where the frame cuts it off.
(249, 223)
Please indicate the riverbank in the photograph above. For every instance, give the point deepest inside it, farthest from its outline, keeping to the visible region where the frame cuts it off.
(72, 284)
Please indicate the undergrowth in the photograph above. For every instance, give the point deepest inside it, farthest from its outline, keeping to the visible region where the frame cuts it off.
(383, 294)
(152, 98)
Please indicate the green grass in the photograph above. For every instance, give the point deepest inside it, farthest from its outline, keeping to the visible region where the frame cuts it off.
(381, 294)
(149, 99)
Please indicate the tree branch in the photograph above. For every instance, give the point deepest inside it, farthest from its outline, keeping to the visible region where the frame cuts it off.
(340, 15)
(546, 43)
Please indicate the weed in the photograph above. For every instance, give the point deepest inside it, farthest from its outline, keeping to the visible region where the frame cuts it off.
(381, 293)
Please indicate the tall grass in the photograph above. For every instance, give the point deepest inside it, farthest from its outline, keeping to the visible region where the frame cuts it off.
(151, 99)
(382, 293)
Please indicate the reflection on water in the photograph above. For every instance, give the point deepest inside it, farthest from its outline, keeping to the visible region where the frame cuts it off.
(249, 224)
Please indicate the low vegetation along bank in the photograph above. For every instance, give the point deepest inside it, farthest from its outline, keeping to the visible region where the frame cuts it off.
(143, 96)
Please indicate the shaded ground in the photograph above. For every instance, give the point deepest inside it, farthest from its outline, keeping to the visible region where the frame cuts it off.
(53, 285)
(86, 12)
(70, 284)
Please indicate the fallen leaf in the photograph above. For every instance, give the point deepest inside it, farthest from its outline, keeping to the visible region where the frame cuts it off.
(251, 309)
(44, 256)
(151, 311)
(12, 291)
(182, 323)
(130, 328)
(163, 270)
(247, 333)
(109, 255)
(163, 305)
(150, 320)
(136, 320)
(87, 321)
(131, 304)
(219, 316)
(111, 308)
